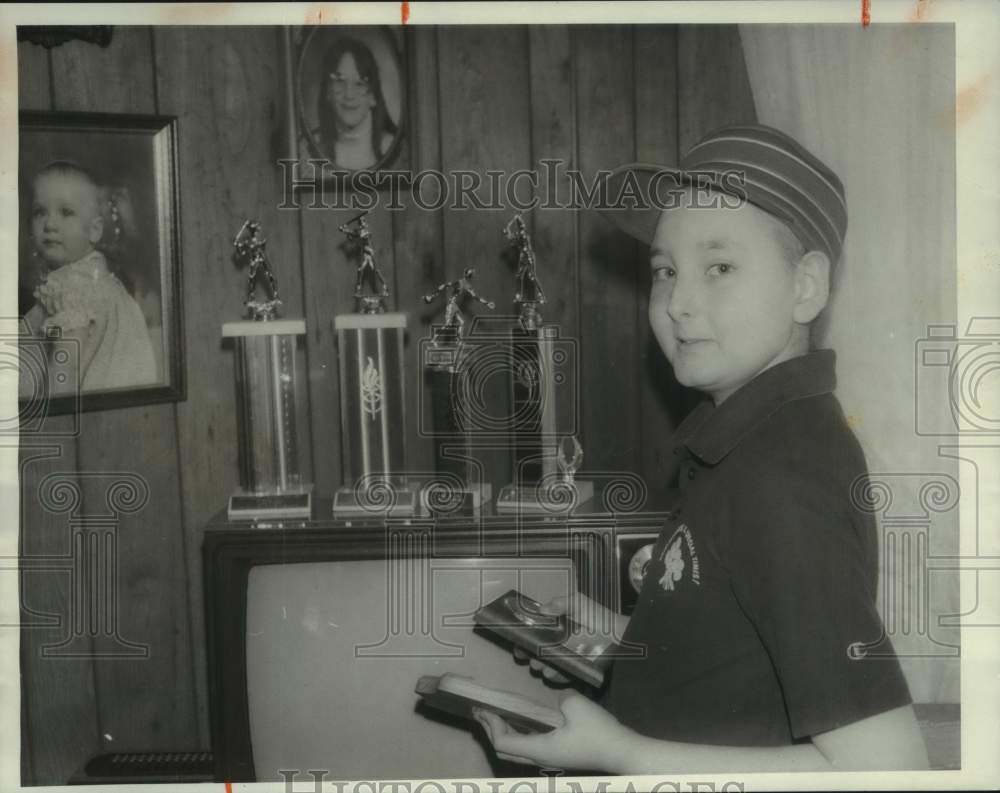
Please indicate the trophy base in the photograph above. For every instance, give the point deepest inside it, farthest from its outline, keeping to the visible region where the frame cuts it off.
(289, 504)
(537, 500)
(455, 501)
(347, 503)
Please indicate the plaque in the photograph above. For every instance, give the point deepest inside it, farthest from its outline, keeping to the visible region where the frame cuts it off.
(458, 486)
(266, 395)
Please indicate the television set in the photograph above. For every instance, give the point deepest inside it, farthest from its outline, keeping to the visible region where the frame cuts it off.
(319, 630)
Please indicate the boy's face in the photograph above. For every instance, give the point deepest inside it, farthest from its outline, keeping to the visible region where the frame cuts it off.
(65, 222)
(723, 296)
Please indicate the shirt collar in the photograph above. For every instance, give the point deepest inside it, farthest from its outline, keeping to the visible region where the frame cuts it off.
(710, 432)
(93, 264)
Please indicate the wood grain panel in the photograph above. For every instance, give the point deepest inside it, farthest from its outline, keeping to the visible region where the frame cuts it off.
(553, 137)
(711, 97)
(483, 77)
(113, 79)
(139, 704)
(33, 88)
(663, 402)
(417, 240)
(608, 278)
(59, 704)
(225, 94)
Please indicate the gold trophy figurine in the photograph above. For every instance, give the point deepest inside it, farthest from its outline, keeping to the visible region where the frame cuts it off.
(569, 457)
(248, 246)
(529, 294)
(372, 403)
(267, 386)
(368, 273)
(451, 331)
(459, 487)
(542, 408)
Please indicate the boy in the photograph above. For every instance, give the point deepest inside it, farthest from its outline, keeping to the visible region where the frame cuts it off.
(759, 597)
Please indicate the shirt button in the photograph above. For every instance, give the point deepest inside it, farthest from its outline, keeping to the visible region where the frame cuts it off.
(690, 473)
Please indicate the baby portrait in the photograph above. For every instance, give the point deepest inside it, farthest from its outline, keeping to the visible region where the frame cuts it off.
(91, 269)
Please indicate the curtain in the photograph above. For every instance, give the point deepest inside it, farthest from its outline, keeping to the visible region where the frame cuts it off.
(877, 105)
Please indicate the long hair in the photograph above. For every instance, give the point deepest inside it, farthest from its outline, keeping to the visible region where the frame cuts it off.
(382, 124)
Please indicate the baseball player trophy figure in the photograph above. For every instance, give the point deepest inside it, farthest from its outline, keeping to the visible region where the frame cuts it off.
(270, 460)
(372, 405)
(458, 486)
(543, 401)
(368, 275)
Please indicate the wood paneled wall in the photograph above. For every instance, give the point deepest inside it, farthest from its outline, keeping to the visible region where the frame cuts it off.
(483, 98)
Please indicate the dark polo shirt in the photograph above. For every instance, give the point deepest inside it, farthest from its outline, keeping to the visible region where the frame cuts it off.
(761, 588)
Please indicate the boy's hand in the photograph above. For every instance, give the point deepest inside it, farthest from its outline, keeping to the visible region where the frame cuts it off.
(597, 620)
(591, 739)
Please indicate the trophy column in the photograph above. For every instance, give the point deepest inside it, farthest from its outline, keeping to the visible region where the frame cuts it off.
(266, 401)
(270, 476)
(533, 403)
(459, 486)
(372, 416)
(541, 368)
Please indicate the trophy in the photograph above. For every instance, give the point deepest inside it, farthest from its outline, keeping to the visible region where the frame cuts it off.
(356, 231)
(539, 360)
(372, 405)
(270, 478)
(452, 442)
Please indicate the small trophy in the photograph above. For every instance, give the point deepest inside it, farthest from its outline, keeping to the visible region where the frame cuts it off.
(372, 403)
(452, 441)
(368, 274)
(569, 456)
(529, 295)
(543, 406)
(271, 484)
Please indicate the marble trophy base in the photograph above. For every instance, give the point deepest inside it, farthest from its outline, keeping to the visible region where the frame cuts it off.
(286, 504)
(349, 503)
(470, 498)
(539, 499)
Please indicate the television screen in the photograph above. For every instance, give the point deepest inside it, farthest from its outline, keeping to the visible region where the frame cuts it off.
(334, 650)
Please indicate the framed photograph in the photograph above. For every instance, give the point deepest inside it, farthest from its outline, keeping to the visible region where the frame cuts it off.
(348, 85)
(99, 279)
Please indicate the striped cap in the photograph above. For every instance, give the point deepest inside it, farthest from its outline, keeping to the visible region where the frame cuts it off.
(751, 161)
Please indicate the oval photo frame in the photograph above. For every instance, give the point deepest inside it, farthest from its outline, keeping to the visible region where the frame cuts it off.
(359, 69)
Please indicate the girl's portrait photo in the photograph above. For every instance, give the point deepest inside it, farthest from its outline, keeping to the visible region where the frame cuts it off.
(97, 260)
(349, 91)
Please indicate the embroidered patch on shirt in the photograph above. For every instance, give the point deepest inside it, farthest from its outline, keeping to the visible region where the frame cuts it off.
(680, 560)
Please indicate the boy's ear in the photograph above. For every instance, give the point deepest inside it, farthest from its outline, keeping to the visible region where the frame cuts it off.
(812, 284)
(96, 229)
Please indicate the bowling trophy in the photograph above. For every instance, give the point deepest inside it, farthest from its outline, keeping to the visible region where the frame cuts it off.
(372, 403)
(540, 370)
(460, 487)
(271, 483)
